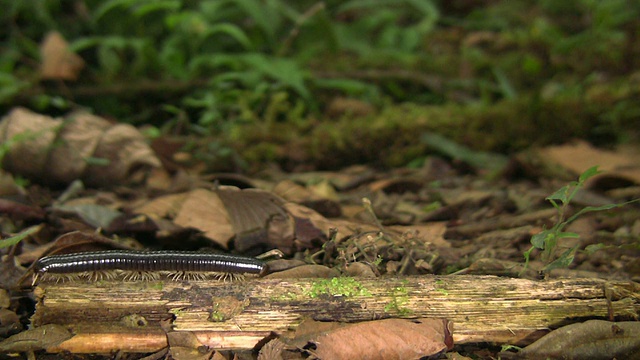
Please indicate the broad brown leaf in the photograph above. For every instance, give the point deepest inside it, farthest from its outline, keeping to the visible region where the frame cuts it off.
(384, 339)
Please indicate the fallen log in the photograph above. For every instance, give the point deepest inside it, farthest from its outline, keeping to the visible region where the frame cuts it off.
(140, 316)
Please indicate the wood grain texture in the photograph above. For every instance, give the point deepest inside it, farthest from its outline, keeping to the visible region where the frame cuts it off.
(237, 315)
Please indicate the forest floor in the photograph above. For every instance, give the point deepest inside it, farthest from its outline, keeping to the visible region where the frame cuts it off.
(457, 213)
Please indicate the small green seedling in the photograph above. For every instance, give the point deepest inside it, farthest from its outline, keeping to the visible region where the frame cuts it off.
(547, 240)
(19, 237)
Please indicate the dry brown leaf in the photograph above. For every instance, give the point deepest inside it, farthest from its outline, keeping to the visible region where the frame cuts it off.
(57, 151)
(39, 338)
(284, 264)
(5, 299)
(384, 339)
(396, 186)
(293, 192)
(432, 232)
(347, 178)
(345, 228)
(580, 156)
(593, 339)
(128, 155)
(29, 136)
(166, 206)
(8, 185)
(321, 197)
(272, 350)
(359, 269)
(81, 134)
(250, 209)
(305, 271)
(257, 218)
(324, 190)
(58, 62)
(184, 345)
(250, 217)
(281, 232)
(9, 322)
(18, 211)
(203, 210)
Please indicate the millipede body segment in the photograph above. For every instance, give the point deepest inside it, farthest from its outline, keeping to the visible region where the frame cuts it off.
(171, 262)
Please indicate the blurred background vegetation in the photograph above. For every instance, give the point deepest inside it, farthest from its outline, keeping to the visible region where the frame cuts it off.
(324, 84)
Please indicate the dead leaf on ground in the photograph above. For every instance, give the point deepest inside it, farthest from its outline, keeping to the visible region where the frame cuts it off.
(95, 215)
(345, 179)
(432, 233)
(184, 345)
(78, 241)
(384, 339)
(5, 299)
(593, 339)
(43, 337)
(166, 206)
(249, 217)
(580, 156)
(359, 269)
(203, 210)
(345, 227)
(305, 271)
(81, 146)
(272, 350)
(396, 186)
(257, 218)
(20, 212)
(58, 62)
(8, 185)
(320, 197)
(9, 323)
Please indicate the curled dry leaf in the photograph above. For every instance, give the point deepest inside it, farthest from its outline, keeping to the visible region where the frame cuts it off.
(248, 217)
(384, 339)
(257, 217)
(185, 345)
(81, 146)
(593, 339)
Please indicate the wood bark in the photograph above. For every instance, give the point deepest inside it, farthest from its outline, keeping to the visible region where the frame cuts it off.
(141, 316)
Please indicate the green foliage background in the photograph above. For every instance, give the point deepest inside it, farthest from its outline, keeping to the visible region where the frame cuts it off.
(256, 78)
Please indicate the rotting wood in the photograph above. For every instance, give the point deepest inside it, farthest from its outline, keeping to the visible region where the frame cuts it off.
(237, 315)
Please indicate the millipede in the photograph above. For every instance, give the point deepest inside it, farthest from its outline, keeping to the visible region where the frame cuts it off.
(137, 264)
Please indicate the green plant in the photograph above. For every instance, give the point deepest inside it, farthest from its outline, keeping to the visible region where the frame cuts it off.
(19, 237)
(210, 67)
(337, 286)
(547, 240)
(399, 300)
